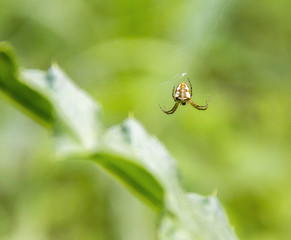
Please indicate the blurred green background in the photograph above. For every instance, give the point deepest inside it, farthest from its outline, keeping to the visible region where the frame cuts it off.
(128, 55)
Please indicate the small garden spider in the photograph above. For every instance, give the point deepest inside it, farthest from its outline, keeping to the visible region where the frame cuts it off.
(183, 95)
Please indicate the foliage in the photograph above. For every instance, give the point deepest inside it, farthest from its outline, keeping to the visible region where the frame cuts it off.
(129, 55)
(126, 150)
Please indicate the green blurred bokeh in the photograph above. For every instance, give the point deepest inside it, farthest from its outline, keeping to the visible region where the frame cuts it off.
(128, 55)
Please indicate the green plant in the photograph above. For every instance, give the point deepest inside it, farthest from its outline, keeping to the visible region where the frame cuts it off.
(126, 151)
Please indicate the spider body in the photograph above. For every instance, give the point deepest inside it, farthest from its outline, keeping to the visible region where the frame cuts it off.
(182, 95)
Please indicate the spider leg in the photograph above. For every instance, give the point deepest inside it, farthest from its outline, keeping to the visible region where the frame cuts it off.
(199, 107)
(172, 110)
(190, 86)
(173, 93)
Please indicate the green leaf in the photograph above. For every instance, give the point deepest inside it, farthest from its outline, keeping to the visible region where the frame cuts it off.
(133, 175)
(78, 128)
(32, 102)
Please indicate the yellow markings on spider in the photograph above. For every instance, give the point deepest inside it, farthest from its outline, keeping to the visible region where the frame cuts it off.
(182, 95)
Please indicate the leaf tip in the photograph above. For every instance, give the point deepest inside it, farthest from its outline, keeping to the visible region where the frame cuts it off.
(54, 63)
(214, 192)
(131, 115)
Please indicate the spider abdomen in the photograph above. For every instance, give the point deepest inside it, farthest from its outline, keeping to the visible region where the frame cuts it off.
(182, 93)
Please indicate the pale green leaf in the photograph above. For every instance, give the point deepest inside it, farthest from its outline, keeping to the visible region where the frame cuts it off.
(199, 218)
(187, 216)
(78, 117)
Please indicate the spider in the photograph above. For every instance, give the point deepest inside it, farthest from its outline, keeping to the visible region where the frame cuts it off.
(183, 95)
